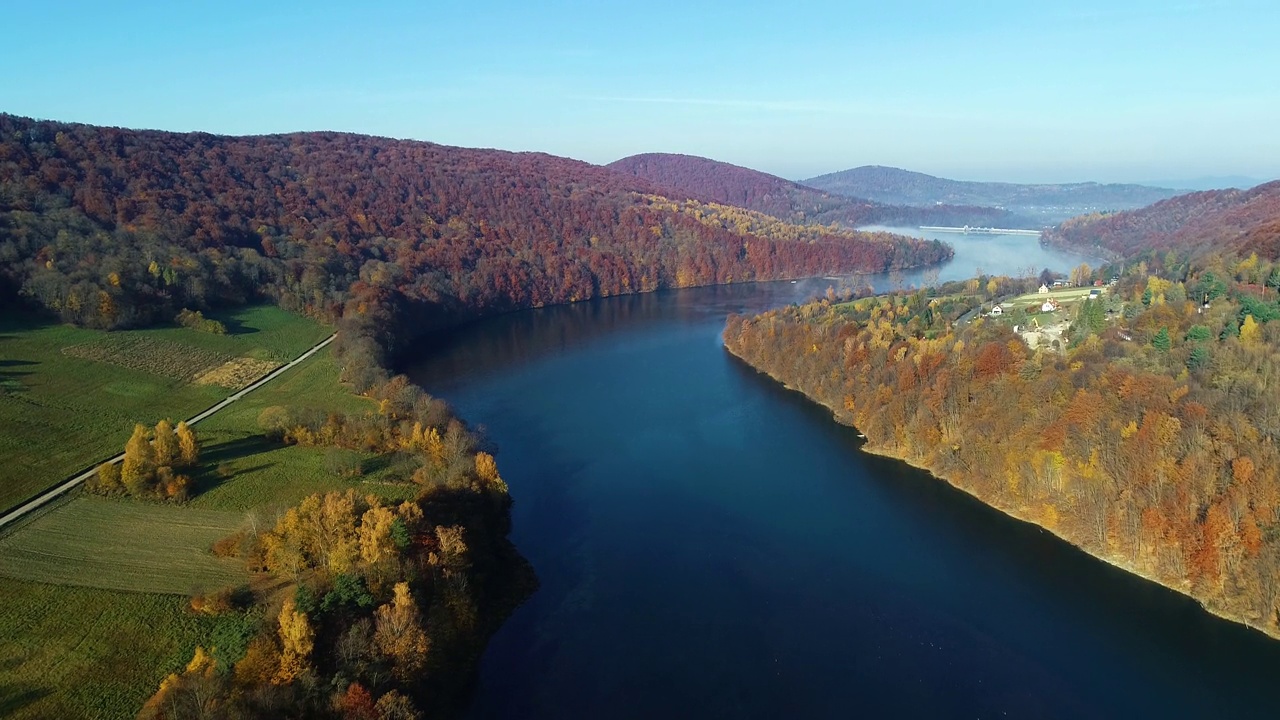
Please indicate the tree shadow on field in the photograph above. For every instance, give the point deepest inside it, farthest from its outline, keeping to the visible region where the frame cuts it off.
(233, 324)
(397, 464)
(10, 380)
(210, 479)
(215, 460)
(237, 449)
(15, 697)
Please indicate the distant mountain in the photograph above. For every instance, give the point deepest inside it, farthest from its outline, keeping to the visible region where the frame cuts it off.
(1241, 221)
(708, 180)
(1210, 182)
(1047, 202)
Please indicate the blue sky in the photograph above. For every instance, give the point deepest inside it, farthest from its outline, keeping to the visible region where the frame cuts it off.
(1025, 91)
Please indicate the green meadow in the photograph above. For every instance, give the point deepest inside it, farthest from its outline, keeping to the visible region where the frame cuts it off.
(69, 397)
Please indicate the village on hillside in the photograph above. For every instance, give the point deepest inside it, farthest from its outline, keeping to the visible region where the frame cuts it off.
(1043, 317)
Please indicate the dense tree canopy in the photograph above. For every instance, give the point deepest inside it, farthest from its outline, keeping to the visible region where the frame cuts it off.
(110, 227)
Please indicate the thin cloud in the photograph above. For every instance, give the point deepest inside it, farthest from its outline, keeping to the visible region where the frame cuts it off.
(783, 105)
(806, 107)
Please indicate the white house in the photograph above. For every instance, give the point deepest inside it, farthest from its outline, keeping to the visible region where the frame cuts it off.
(1044, 289)
(997, 310)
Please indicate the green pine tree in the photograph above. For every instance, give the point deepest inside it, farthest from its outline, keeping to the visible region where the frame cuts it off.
(1161, 340)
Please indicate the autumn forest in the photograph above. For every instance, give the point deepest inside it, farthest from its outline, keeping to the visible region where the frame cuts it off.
(1138, 423)
(1146, 435)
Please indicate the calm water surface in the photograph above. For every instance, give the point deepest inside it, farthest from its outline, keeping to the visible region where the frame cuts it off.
(712, 545)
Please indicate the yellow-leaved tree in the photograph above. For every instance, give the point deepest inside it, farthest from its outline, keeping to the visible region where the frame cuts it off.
(487, 470)
(1250, 331)
(376, 543)
(193, 694)
(399, 635)
(297, 640)
(166, 444)
(188, 445)
(139, 465)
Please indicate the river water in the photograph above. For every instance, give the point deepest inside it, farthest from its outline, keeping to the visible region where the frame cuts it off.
(710, 544)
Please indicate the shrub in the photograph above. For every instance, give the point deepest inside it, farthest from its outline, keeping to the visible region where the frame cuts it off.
(196, 320)
(106, 481)
(230, 546)
(222, 601)
(343, 463)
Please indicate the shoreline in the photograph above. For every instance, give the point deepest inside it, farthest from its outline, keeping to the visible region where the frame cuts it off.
(871, 449)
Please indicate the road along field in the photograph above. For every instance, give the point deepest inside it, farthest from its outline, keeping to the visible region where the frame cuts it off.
(69, 397)
(74, 644)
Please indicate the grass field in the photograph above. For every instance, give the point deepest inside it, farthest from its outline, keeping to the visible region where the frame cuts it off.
(73, 652)
(264, 476)
(118, 544)
(61, 410)
(1064, 297)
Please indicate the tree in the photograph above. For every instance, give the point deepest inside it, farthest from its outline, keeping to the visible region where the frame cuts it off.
(1273, 280)
(260, 663)
(399, 635)
(487, 470)
(139, 467)
(193, 694)
(394, 706)
(1046, 277)
(108, 479)
(1250, 331)
(1199, 333)
(356, 704)
(1161, 340)
(1091, 317)
(376, 542)
(297, 640)
(1199, 358)
(1082, 274)
(188, 445)
(166, 444)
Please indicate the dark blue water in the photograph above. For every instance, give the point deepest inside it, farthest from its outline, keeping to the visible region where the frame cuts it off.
(712, 545)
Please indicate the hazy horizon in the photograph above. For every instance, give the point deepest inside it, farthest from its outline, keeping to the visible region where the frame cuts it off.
(1051, 92)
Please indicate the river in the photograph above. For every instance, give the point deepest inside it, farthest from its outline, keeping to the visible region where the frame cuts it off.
(710, 544)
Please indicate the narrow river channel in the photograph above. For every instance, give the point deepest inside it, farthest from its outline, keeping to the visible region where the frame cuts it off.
(710, 544)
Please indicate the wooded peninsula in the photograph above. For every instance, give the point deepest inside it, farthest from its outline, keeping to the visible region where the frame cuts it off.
(1145, 435)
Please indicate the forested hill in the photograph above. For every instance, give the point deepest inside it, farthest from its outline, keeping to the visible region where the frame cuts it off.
(708, 180)
(1239, 221)
(894, 185)
(112, 227)
(714, 181)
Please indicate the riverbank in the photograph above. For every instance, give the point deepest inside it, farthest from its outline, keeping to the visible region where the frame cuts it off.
(1025, 514)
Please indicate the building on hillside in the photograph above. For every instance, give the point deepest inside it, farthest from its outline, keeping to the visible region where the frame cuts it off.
(1044, 289)
(997, 310)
